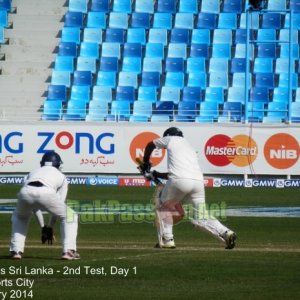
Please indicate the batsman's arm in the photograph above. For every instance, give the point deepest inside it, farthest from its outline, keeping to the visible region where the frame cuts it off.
(148, 151)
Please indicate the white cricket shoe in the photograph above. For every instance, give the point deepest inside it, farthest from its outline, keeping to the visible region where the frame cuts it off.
(70, 255)
(230, 238)
(166, 244)
(16, 255)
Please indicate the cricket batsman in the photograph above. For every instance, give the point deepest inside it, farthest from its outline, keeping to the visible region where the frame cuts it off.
(45, 188)
(184, 181)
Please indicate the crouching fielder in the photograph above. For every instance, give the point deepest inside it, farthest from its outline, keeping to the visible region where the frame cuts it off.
(45, 188)
(185, 181)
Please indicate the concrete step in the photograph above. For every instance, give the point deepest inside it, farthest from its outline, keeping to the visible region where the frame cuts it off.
(36, 25)
(16, 83)
(25, 68)
(18, 53)
(33, 41)
(41, 7)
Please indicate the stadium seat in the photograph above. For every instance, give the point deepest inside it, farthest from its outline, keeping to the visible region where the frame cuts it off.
(218, 65)
(228, 20)
(281, 94)
(122, 6)
(277, 109)
(76, 110)
(265, 80)
(89, 50)
(105, 78)
(92, 35)
(98, 109)
(128, 79)
(263, 65)
(240, 50)
(284, 80)
(132, 50)
(115, 35)
(219, 79)
(67, 49)
(254, 20)
(214, 94)
(174, 79)
(179, 35)
(238, 65)
(74, 19)
(155, 50)
(183, 118)
(285, 51)
(235, 6)
(200, 36)
(271, 20)
(177, 50)
(221, 51)
(144, 6)
(111, 50)
(78, 5)
(256, 111)
(147, 93)
(268, 50)
(191, 94)
(199, 50)
(295, 5)
(210, 6)
(140, 20)
(71, 34)
(166, 6)
(170, 94)
(125, 93)
(120, 108)
(188, 6)
(83, 78)
(295, 21)
(150, 79)
(142, 108)
(80, 93)
(208, 112)
(61, 78)
(207, 20)
(102, 93)
(100, 5)
(259, 94)
(118, 20)
(64, 63)
(222, 36)
(277, 4)
(195, 64)
(164, 108)
(241, 35)
(158, 36)
(187, 108)
(236, 94)
(5, 5)
(197, 79)
(86, 64)
(96, 19)
(110, 64)
(239, 79)
(152, 64)
(57, 92)
(266, 35)
(136, 35)
(282, 65)
(132, 64)
(184, 21)
(162, 20)
(295, 112)
(53, 108)
(232, 112)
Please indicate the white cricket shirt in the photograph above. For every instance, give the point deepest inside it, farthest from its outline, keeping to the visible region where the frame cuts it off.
(182, 157)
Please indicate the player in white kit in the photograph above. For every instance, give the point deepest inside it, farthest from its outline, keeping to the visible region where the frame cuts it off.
(45, 188)
(185, 181)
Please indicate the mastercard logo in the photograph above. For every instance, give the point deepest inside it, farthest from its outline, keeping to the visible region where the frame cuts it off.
(222, 150)
(138, 145)
(281, 151)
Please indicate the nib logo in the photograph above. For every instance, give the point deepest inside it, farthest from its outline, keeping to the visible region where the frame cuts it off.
(281, 151)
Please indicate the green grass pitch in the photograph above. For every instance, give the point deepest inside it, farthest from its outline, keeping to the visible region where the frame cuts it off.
(264, 265)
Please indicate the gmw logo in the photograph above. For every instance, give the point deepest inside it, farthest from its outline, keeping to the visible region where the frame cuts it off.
(240, 150)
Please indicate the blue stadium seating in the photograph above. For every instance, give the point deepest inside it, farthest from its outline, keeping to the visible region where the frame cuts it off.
(100, 5)
(74, 19)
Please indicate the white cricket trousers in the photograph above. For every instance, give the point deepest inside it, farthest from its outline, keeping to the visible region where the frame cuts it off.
(192, 191)
(30, 198)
